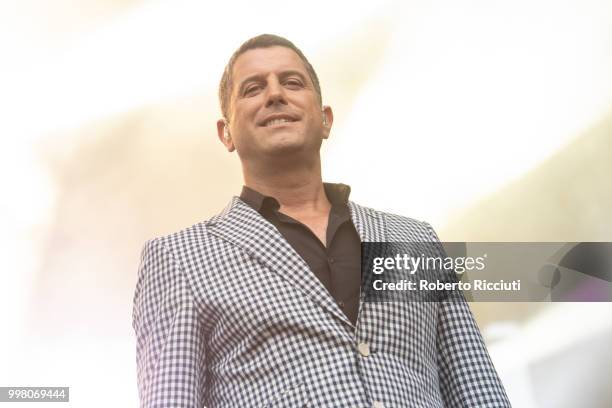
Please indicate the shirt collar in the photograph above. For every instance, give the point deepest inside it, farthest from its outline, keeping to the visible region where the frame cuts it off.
(337, 194)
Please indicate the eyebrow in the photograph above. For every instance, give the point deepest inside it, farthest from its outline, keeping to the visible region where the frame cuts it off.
(260, 77)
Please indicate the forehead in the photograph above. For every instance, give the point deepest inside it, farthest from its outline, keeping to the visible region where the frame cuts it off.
(263, 61)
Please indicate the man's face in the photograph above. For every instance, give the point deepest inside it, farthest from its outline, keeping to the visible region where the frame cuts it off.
(274, 108)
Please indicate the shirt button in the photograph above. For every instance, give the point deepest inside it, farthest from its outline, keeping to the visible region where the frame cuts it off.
(364, 349)
(377, 404)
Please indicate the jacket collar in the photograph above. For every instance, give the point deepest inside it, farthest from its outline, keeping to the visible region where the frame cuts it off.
(241, 225)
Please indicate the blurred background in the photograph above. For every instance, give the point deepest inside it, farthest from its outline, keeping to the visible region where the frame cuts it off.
(492, 120)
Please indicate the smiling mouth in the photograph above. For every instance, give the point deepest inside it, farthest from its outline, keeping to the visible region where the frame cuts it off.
(277, 122)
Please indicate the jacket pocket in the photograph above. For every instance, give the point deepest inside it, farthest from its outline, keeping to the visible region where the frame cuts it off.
(294, 396)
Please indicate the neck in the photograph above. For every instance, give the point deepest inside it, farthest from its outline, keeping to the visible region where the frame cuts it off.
(298, 189)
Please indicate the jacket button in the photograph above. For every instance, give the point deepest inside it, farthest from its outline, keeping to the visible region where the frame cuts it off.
(364, 349)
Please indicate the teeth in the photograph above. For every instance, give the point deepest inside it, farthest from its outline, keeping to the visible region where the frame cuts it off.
(276, 121)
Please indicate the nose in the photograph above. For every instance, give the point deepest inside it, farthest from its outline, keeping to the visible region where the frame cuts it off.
(275, 93)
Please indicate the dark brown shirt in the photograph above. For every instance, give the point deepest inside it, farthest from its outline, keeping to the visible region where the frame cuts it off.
(338, 263)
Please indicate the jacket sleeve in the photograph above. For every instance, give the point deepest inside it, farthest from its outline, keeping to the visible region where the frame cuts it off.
(170, 352)
(467, 375)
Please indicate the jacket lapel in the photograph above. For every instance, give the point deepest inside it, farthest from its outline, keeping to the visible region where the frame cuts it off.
(243, 226)
(370, 226)
(368, 223)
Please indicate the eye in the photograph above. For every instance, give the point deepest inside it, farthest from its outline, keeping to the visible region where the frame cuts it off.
(252, 89)
(293, 83)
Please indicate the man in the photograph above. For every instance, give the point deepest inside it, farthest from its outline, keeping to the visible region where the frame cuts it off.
(260, 306)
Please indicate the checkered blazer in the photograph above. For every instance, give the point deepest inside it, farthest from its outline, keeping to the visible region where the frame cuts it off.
(227, 314)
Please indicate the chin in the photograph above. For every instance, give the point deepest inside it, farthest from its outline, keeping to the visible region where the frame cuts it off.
(285, 144)
(284, 149)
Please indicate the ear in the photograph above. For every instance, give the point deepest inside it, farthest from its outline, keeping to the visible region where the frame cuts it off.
(225, 138)
(328, 114)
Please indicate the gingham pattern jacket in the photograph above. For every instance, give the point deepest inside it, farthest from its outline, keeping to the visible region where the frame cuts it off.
(227, 314)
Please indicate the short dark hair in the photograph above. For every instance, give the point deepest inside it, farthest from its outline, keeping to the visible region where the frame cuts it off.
(260, 41)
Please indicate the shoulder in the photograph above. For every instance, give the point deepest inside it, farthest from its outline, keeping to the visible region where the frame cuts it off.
(180, 240)
(400, 227)
(197, 236)
(173, 253)
(167, 249)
